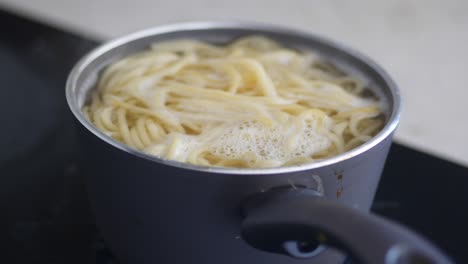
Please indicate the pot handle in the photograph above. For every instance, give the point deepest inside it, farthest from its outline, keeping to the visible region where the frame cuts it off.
(300, 223)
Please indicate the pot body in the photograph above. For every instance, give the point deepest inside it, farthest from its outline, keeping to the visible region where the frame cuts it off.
(154, 213)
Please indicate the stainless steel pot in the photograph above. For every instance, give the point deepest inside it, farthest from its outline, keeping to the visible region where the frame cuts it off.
(152, 210)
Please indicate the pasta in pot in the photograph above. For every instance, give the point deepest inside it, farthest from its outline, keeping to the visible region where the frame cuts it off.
(252, 103)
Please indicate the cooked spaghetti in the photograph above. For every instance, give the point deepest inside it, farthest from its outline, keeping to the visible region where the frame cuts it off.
(252, 103)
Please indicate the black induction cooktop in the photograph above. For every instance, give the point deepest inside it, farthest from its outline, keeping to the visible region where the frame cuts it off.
(44, 212)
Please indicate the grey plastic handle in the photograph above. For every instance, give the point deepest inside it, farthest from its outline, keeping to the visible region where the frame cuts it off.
(300, 223)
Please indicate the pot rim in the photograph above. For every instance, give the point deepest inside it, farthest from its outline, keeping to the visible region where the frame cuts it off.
(82, 64)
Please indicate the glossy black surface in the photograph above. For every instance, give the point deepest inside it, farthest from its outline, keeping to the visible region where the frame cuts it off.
(45, 216)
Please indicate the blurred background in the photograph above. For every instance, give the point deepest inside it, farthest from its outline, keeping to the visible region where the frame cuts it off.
(422, 43)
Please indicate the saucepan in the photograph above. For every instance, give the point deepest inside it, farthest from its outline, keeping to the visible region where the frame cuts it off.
(152, 210)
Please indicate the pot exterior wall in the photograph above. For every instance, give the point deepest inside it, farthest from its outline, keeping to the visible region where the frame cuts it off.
(149, 212)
